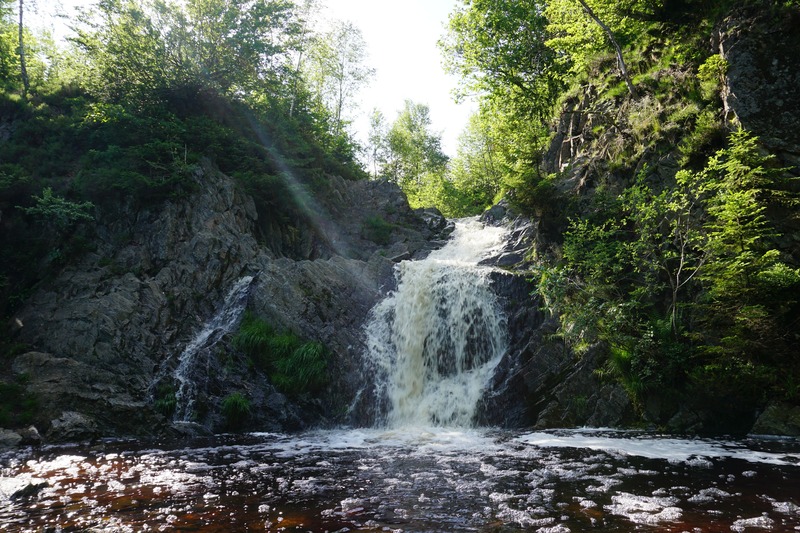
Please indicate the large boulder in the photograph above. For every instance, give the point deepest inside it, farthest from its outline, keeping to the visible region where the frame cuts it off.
(778, 419)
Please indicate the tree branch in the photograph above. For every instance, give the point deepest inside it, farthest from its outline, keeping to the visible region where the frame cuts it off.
(620, 60)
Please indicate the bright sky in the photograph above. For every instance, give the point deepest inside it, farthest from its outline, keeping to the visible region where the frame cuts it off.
(401, 38)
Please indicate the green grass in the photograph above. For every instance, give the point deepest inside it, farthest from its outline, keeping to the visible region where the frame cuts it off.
(235, 409)
(295, 366)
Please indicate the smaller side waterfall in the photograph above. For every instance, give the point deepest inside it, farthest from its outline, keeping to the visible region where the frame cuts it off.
(223, 322)
(435, 341)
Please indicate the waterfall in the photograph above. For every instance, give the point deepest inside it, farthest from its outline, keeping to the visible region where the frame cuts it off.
(434, 342)
(223, 322)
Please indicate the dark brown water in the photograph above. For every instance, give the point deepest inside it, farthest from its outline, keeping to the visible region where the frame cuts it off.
(408, 480)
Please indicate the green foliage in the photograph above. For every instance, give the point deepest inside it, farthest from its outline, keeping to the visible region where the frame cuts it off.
(712, 75)
(304, 370)
(498, 47)
(166, 401)
(378, 230)
(17, 406)
(412, 150)
(295, 366)
(236, 409)
(58, 212)
(682, 281)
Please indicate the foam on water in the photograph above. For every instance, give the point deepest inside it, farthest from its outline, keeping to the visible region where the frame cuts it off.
(425, 479)
(696, 451)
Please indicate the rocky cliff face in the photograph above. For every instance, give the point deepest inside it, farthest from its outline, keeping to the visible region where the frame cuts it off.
(541, 382)
(762, 83)
(107, 328)
(759, 92)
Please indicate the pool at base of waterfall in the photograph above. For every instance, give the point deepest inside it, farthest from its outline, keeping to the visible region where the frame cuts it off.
(407, 480)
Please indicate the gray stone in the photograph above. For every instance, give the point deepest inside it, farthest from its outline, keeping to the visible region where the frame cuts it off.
(9, 439)
(778, 419)
(72, 426)
(762, 83)
(108, 331)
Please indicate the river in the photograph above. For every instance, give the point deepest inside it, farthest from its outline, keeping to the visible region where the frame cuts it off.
(411, 480)
(432, 346)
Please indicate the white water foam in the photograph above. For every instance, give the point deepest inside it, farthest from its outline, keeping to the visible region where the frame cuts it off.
(692, 451)
(435, 341)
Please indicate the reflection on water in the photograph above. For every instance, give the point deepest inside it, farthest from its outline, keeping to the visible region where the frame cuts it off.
(408, 480)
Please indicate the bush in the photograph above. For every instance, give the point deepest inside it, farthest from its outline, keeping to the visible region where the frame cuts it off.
(295, 367)
(235, 409)
(377, 230)
(166, 401)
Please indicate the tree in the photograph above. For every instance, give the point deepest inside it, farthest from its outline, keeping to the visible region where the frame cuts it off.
(302, 44)
(578, 40)
(475, 172)
(22, 66)
(376, 141)
(336, 69)
(141, 50)
(498, 49)
(58, 212)
(610, 35)
(412, 149)
(7, 59)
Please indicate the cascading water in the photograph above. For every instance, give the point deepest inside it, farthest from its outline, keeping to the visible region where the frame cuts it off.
(220, 324)
(434, 342)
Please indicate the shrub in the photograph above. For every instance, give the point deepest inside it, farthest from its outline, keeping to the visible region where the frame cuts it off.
(295, 367)
(377, 230)
(304, 370)
(712, 75)
(166, 401)
(235, 409)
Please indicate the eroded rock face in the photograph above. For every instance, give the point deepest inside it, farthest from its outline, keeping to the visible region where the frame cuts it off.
(541, 382)
(763, 82)
(110, 326)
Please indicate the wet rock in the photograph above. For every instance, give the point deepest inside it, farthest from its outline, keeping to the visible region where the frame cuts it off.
(778, 419)
(9, 439)
(541, 382)
(30, 436)
(495, 214)
(72, 426)
(107, 332)
(433, 218)
(30, 490)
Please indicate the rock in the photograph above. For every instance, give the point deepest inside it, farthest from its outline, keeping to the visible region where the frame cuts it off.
(432, 217)
(72, 426)
(108, 331)
(30, 436)
(762, 83)
(540, 382)
(28, 491)
(495, 214)
(190, 429)
(778, 419)
(9, 439)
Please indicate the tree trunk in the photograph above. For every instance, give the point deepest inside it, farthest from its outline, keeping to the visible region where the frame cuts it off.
(623, 69)
(22, 68)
